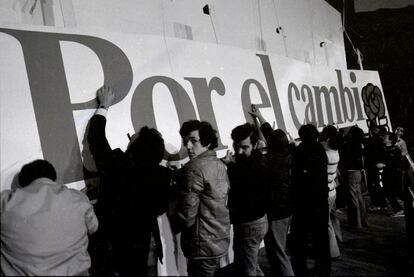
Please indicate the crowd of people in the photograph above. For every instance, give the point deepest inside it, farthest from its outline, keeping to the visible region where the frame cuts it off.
(271, 188)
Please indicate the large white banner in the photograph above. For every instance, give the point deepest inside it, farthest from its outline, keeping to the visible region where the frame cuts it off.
(49, 78)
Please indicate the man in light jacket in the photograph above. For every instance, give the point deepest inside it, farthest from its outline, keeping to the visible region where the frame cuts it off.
(202, 205)
(45, 226)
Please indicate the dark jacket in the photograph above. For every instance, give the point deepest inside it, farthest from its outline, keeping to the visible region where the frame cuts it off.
(374, 152)
(393, 165)
(393, 158)
(202, 207)
(280, 189)
(131, 197)
(248, 185)
(279, 179)
(309, 177)
(351, 156)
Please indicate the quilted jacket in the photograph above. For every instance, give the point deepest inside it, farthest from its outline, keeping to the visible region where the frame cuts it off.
(202, 207)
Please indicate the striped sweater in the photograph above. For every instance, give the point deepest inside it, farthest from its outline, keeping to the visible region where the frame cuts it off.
(333, 160)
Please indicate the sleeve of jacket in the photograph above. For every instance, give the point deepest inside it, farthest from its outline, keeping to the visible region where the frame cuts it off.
(98, 144)
(91, 220)
(266, 130)
(193, 185)
(5, 196)
(82, 203)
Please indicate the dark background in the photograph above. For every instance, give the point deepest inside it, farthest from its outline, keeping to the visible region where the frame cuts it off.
(385, 38)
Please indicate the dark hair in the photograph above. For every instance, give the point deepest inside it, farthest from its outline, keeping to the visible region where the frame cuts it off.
(373, 127)
(392, 137)
(244, 131)
(277, 142)
(147, 147)
(327, 132)
(331, 134)
(376, 130)
(382, 130)
(35, 170)
(308, 133)
(355, 134)
(205, 130)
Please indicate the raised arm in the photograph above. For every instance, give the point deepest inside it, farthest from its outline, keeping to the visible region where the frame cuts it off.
(98, 144)
(265, 127)
(255, 113)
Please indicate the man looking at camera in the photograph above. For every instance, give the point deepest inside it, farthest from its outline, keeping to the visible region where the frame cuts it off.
(202, 204)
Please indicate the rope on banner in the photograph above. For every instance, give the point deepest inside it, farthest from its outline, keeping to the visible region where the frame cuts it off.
(356, 50)
(33, 7)
(63, 13)
(206, 10)
(279, 28)
(261, 42)
(165, 40)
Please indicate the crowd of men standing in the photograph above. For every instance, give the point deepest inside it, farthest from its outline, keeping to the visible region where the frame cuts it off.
(266, 193)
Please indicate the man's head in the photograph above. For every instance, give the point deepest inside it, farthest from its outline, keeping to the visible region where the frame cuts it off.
(378, 131)
(382, 132)
(198, 137)
(35, 170)
(147, 146)
(399, 131)
(244, 138)
(331, 135)
(390, 139)
(355, 134)
(327, 133)
(308, 133)
(277, 142)
(374, 130)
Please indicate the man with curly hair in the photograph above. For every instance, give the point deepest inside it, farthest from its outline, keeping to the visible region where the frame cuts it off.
(202, 204)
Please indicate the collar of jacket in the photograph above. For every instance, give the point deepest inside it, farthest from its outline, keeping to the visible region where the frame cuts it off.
(254, 156)
(205, 154)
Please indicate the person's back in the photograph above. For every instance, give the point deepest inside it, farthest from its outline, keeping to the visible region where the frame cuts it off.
(351, 164)
(279, 165)
(309, 175)
(279, 160)
(133, 192)
(45, 229)
(310, 204)
(247, 198)
(279, 196)
(374, 151)
(280, 188)
(393, 158)
(374, 162)
(351, 154)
